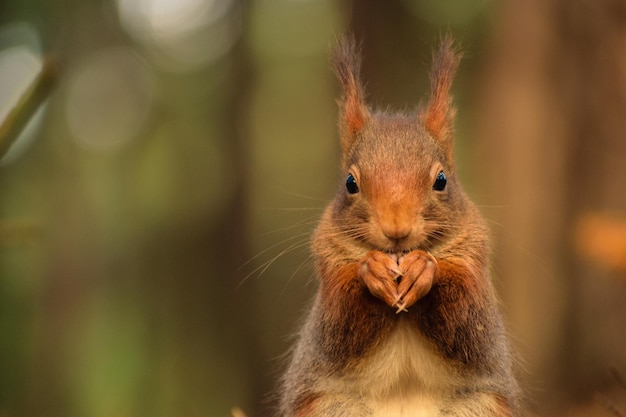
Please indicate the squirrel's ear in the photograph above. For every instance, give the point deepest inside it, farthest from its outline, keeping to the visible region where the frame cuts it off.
(353, 112)
(438, 115)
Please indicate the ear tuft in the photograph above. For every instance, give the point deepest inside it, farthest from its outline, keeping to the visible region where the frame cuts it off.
(346, 60)
(438, 116)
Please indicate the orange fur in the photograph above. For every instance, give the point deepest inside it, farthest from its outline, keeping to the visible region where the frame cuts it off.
(405, 321)
(353, 111)
(306, 406)
(351, 311)
(438, 116)
(503, 407)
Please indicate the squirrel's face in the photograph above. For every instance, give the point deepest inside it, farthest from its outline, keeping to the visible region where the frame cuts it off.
(400, 191)
(398, 188)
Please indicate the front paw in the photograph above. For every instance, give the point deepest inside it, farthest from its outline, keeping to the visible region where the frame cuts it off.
(380, 272)
(418, 269)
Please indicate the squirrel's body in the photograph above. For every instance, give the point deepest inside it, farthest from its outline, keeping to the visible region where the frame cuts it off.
(405, 322)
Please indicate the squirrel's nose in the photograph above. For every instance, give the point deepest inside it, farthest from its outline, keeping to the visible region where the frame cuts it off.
(397, 234)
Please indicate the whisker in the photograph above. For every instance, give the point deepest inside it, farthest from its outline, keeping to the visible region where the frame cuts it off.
(295, 209)
(306, 260)
(296, 236)
(264, 266)
(307, 197)
(304, 222)
(494, 206)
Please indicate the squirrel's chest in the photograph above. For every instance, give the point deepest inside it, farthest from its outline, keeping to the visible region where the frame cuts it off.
(406, 360)
(404, 376)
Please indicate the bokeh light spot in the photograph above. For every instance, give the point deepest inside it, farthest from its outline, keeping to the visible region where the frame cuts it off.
(182, 34)
(109, 98)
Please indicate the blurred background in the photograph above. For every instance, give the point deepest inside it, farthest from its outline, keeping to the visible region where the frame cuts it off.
(155, 211)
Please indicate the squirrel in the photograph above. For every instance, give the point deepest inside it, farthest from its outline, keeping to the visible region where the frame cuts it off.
(405, 321)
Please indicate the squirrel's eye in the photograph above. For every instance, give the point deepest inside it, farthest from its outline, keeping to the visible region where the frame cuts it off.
(351, 185)
(440, 182)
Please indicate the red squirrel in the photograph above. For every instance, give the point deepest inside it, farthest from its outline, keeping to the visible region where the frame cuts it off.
(405, 322)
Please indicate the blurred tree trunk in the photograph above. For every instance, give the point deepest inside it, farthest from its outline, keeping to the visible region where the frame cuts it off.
(551, 136)
(391, 51)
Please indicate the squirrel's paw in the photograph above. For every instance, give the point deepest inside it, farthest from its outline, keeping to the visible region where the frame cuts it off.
(379, 272)
(418, 269)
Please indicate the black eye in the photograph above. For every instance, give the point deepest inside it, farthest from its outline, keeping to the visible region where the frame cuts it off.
(440, 182)
(351, 185)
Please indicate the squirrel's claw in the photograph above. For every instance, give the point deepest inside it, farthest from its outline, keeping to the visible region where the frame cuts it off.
(402, 308)
(380, 273)
(419, 270)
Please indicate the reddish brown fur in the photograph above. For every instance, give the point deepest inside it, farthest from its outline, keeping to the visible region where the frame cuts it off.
(400, 257)
(504, 407)
(306, 406)
(353, 111)
(438, 117)
(352, 318)
(448, 313)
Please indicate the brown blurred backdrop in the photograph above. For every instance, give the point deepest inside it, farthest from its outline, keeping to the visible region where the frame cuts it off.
(154, 214)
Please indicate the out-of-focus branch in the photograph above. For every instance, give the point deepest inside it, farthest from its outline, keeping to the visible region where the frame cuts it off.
(38, 91)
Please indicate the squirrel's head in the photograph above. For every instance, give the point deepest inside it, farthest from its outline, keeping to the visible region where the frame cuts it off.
(400, 191)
